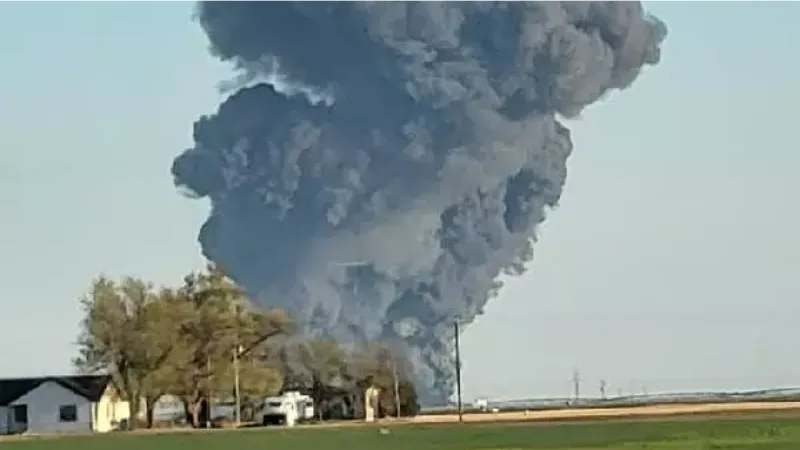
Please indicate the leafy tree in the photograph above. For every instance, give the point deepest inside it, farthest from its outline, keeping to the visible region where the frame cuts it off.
(389, 370)
(324, 364)
(182, 342)
(159, 382)
(259, 375)
(258, 378)
(409, 402)
(127, 332)
(218, 320)
(322, 368)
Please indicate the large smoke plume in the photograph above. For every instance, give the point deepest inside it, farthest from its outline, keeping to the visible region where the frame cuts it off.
(404, 157)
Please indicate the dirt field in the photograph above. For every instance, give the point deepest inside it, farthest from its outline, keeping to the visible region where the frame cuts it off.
(601, 413)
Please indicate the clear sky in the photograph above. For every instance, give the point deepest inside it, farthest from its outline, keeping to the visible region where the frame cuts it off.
(672, 263)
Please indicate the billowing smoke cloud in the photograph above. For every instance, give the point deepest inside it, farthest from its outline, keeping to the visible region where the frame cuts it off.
(405, 157)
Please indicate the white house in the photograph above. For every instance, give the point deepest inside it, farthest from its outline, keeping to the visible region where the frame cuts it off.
(86, 403)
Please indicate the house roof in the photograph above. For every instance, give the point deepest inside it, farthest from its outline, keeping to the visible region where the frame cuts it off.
(91, 387)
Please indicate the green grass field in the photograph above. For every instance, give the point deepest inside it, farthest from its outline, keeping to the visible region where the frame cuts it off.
(680, 434)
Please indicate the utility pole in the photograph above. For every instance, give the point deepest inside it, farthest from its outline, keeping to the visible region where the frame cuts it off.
(396, 390)
(209, 404)
(238, 407)
(236, 353)
(603, 389)
(576, 384)
(458, 372)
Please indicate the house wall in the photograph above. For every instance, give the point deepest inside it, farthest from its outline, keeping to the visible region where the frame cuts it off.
(3, 420)
(44, 403)
(109, 413)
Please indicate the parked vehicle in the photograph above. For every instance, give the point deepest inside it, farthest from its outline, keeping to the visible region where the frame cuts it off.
(287, 409)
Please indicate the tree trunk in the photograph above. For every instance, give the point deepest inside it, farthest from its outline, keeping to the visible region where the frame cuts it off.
(187, 412)
(149, 413)
(317, 394)
(191, 409)
(135, 407)
(150, 406)
(358, 404)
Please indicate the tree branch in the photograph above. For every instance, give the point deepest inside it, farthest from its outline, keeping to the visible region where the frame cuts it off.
(259, 341)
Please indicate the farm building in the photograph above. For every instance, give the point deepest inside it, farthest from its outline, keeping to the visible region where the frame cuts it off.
(65, 404)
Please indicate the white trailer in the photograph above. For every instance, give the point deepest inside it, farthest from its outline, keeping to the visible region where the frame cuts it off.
(287, 409)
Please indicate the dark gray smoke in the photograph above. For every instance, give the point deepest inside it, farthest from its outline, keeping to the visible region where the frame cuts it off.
(405, 158)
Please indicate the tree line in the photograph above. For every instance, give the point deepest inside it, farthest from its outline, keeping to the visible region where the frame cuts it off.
(186, 341)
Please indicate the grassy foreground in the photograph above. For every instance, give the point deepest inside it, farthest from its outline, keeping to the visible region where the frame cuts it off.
(681, 434)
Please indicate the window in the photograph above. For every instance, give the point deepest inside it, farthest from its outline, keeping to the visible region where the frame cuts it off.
(20, 413)
(68, 413)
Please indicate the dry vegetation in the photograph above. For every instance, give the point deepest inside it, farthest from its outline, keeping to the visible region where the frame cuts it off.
(603, 413)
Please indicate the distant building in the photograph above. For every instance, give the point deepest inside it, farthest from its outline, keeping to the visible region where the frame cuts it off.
(69, 404)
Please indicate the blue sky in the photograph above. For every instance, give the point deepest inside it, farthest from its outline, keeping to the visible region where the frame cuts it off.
(670, 265)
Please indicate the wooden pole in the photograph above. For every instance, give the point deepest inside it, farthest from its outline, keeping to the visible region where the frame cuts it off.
(458, 373)
(396, 390)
